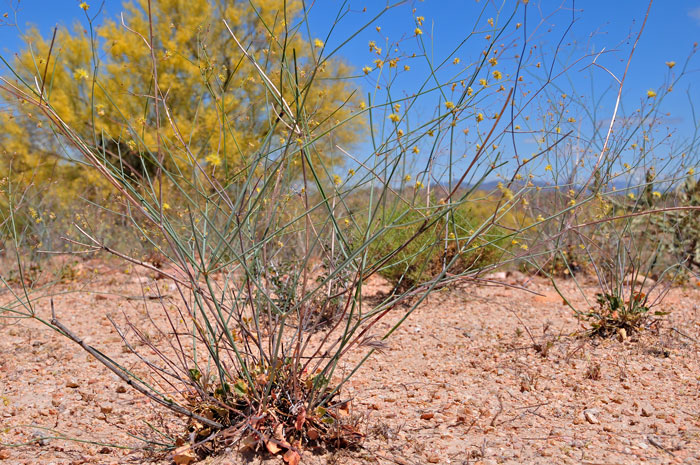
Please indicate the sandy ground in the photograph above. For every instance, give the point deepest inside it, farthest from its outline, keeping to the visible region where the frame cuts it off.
(462, 382)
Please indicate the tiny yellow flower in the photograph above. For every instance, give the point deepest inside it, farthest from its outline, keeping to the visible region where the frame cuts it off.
(419, 185)
(166, 206)
(415, 149)
(558, 130)
(517, 126)
(572, 202)
(347, 221)
(691, 171)
(372, 45)
(469, 91)
(631, 195)
(455, 61)
(367, 70)
(80, 74)
(571, 120)
(479, 117)
(84, 6)
(318, 43)
(518, 25)
(399, 133)
(378, 28)
(394, 117)
(393, 62)
(656, 194)
(337, 179)
(497, 74)
(351, 172)
(493, 61)
(451, 235)
(417, 31)
(514, 242)
(651, 93)
(213, 159)
(407, 178)
(378, 63)
(420, 20)
(548, 168)
(449, 105)
(363, 105)
(406, 68)
(540, 218)
(524, 247)
(670, 64)
(482, 82)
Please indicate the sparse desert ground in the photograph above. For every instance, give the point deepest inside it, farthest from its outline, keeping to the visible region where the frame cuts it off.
(462, 382)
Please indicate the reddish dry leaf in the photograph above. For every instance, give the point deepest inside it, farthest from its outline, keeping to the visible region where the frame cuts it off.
(291, 457)
(272, 447)
(313, 434)
(184, 455)
(301, 418)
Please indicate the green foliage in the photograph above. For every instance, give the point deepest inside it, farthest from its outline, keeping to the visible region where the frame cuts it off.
(451, 244)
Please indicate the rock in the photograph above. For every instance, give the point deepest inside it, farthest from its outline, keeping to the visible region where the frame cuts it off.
(72, 384)
(121, 389)
(590, 414)
(647, 411)
(434, 459)
(427, 416)
(622, 334)
(106, 409)
(4, 454)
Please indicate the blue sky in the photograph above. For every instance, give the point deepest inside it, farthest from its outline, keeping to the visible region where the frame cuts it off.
(672, 28)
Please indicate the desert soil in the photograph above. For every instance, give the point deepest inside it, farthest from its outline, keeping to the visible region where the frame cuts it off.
(479, 374)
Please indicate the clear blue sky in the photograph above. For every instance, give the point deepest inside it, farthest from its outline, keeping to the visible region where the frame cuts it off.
(673, 26)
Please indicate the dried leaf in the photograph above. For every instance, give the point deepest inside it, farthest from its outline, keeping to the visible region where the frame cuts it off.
(272, 447)
(291, 457)
(248, 442)
(313, 434)
(301, 418)
(184, 455)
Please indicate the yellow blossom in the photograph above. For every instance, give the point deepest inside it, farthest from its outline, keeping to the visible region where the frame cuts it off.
(363, 105)
(213, 159)
(469, 91)
(420, 20)
(406, 67)
(84, 6)
(651, 93)
(417, 31)
(479, 118)
(318, 43)
(455, 61)
(482, 82)
(571, 120)
(497, 74)
(572, 202)
(366, 69)
(337, 179)
(631, 195)
(394, 117)
(80, 74)
(548, 168)
(670, 64)
(691, 171)
(449, 105)
(524, 246)
(419, 184)
(493, 61)
(656, 194)
(407, 178)
(539, 218)
(415, 149)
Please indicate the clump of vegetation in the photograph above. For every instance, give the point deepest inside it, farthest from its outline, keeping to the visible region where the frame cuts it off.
(615, 314)
(451, 245)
